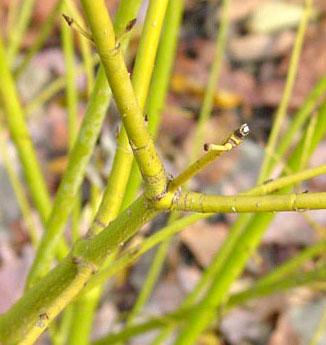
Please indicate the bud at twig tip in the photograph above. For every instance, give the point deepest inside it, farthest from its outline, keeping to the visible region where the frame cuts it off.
(244, 130)
(68, 19)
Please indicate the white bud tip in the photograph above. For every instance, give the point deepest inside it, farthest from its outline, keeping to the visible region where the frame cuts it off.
(244, 130)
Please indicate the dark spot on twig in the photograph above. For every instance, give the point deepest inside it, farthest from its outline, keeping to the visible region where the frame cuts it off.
(77, 260)
(44, 316)
(268, 181)
(131, 24)
(68, 19)
(42, 319)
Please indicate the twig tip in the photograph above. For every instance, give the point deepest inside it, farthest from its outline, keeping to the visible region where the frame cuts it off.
(68, 19)
(244, 130)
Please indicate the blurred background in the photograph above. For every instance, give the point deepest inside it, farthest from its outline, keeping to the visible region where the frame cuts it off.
(251, 83)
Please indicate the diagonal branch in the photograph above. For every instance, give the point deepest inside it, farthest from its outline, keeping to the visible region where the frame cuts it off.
(132, 117)
(213, 152)
(74, 174)
(30, 316)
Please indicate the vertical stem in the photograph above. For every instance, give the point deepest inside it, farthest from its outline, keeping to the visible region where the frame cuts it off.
(18, 30)
(320, 330)
(311, 103)
(307, 141)
(150, 280)
(244, 220)
(159, 85)
(78, 160)
(82, 317)
(156, 97)
(72, 179)
(44, 33)
(130, 111)
(116, 185)
(62, 330)
(114, 190)
(245, 240)
(19, 190)
(85, 47)
(21, 137)
(72, 109)
(207, 105)
(12, 16)
(20, 134)
(214, 76)
(282, 109)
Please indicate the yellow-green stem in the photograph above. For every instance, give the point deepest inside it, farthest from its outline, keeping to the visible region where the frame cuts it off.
(158, 87)
(21, 137)
(72, 109)
(214, 151)
(18, 30)
(31, 315)
(311, 127)
(282, 109)
(115, 189)
(214, 76)
(44, 33)
(116, 185)
(134, 252)
(320, 330)
(197, 202)
(19, 190)
(131, 114)
(51, 90)
(85, 47)
(72, 179)
(180, 316)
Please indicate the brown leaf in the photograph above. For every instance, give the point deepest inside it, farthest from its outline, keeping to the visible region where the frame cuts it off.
(284, 333)
(204, 240)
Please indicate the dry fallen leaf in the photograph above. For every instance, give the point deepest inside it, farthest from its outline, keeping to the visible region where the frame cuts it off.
(182, 84)
(273, 16)
(284, 334)
(204, 240)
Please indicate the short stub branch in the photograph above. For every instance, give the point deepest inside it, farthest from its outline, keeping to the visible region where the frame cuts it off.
(213, 151)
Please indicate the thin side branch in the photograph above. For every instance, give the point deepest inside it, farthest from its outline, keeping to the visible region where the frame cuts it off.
(76, 26)
(213, 151)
